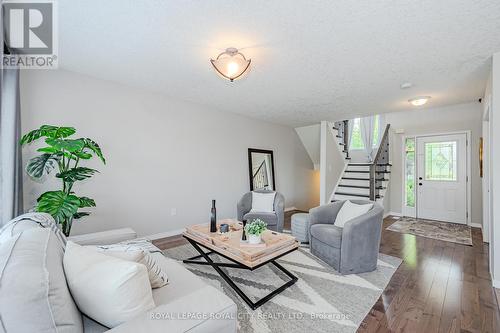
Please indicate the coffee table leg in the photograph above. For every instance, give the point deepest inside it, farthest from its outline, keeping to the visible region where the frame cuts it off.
(216, 266)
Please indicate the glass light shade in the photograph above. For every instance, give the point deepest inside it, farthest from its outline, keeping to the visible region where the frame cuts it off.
(419, 101)
(231, 64)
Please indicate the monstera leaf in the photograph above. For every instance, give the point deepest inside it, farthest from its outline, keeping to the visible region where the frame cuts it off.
(47, 131)
(59, 204)
(40, 165)
(86, 202)
(79, 173)
(66, 144)
(92, 145)
(79, 215)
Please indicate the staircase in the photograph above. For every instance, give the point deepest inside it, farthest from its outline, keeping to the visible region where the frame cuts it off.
(363, 181)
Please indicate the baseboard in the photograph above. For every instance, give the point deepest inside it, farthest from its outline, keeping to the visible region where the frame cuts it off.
(288, 209)
(476, 225)
(392, 214)
(165, 234)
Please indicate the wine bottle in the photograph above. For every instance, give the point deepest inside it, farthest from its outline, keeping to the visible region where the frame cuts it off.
(244, 234)
(213, 218)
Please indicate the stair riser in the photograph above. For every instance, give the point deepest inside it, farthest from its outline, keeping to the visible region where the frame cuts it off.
(361, 182)
(358, 168)
(355, 182)
(346, 197)
(357, 175)
(354, 190)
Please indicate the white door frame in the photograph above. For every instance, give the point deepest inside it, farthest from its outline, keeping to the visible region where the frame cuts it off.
(412, 212)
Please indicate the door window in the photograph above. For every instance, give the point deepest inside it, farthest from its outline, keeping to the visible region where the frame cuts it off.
(441, 161)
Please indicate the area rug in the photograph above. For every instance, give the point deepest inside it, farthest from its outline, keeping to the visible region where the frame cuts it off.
(444, 231)
(320, 301)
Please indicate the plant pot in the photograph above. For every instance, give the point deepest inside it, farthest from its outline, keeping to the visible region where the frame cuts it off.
(254, 239)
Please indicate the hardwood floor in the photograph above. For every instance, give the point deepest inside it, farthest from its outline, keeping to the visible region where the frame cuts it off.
(439, 287)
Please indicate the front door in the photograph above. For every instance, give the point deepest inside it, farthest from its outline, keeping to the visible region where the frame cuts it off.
(442, 178)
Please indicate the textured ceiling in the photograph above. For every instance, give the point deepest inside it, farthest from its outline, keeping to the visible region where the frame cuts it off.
(311, 60)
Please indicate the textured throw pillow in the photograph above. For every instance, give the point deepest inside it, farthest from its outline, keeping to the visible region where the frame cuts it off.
(157, 277)
(107, 289)
(350, 211)
(263, 202)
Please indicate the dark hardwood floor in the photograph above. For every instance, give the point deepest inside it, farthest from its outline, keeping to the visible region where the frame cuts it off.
(439, 287)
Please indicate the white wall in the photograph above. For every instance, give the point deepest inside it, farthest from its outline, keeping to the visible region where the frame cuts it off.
(332, 162)
(161, 153)
(310, 137)
(427, 121)
(493, 90)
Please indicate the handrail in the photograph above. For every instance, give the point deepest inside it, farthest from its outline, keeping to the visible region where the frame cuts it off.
(383, 150)
(382, 143)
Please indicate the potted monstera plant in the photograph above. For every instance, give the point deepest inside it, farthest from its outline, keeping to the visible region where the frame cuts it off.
(66, 155)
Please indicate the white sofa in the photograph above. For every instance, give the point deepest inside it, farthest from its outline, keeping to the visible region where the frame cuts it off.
(187, 303)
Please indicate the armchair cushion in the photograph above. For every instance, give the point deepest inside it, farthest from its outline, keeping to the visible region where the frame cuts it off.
(328, 234)
(350, 211)
(263, 202)
(269, 218)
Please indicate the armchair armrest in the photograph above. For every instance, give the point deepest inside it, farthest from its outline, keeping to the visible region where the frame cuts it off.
(361, 239)
(244, 205)
(325, 214)
(105, 237)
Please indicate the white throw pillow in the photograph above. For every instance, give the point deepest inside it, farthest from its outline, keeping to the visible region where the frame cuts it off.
(109, 290)
(157, 277)
(263, 202)
(350, 211)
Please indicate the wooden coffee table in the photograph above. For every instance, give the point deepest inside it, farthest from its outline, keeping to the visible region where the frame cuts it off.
(241, 255)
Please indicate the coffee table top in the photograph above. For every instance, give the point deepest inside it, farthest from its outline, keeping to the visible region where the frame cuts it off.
(230, 245)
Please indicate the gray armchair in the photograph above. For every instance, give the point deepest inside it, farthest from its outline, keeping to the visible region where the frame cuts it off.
(274, 220)
(352, 249)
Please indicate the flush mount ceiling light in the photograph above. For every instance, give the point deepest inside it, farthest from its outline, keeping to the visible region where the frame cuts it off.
(419, 101)
(231, 64)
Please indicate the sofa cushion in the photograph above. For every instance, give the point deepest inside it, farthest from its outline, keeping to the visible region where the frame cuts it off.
(109, 290)
(34, 296)
(29, 221)
(328, 234)
(157, 276)
(269, 218)
(185, 295)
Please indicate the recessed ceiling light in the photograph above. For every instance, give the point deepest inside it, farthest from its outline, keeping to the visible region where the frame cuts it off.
(406, 85)
(419, 101)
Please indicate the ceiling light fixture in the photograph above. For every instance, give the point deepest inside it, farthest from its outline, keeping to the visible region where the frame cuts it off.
(231, 64)
(419, 101)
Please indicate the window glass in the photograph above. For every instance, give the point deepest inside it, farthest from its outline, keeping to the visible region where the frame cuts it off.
(441, 161)
(410, 172)
(356, 141)
(376, 131)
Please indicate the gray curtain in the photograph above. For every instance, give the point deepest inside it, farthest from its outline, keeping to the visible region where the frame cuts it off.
(11, 193)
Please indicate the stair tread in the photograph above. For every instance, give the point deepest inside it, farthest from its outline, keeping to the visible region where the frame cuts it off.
(363, 187)
(357, 195)
(355, 178)
(368, 164)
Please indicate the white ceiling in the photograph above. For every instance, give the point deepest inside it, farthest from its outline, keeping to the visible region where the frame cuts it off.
(311, 60)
